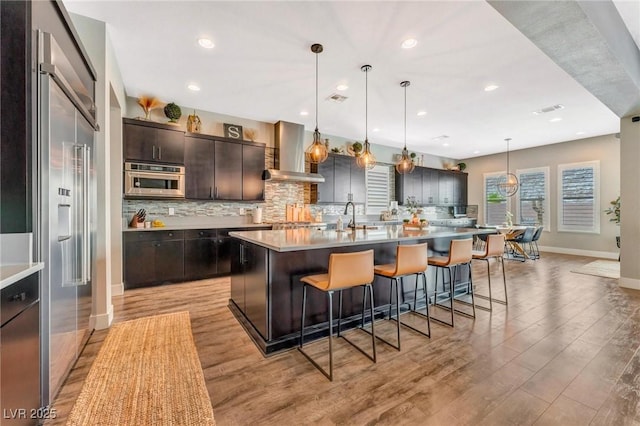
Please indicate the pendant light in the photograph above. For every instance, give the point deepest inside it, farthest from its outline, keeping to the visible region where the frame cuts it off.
(508, 184)
(317, 151)
(366, 160)
(405, 165)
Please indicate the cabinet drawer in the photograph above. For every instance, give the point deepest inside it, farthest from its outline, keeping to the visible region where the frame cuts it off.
(18, 296)
(200, 233)
(153, 236)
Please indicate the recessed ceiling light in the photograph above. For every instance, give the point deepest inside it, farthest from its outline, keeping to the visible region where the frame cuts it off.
(422, 113)
(580, 133)
(304, 112)
(490, 88)
(376, 129)
(555, 120)
(409, 43)
(194, 87)
(445, 144)
(476, 152)
(206, 43)
(342, 87)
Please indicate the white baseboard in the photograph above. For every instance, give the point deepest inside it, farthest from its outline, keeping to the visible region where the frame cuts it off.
(102, 321)
(579, 252)
(631, 283)
(117, 289)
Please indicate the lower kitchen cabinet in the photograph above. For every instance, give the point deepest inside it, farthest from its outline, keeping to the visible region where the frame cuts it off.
(153, 257)
(157, 257)
(249, 283)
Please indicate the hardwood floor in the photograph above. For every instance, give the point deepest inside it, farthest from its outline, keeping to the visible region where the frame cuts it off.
(564, 351)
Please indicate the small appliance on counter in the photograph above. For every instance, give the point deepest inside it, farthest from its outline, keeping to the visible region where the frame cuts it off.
(257, 215)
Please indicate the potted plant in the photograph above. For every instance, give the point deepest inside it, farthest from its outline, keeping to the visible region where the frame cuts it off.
(614, 211)
(357, 148)
(413, 157)
(462, 166)
(494, 197)
(173, 112)
(414, 209)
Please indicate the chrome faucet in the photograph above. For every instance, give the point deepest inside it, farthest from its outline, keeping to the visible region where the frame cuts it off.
(352, 223)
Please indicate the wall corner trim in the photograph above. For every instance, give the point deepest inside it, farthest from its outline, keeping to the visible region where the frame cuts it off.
(101, 321)
(117, 290)
(631, 283)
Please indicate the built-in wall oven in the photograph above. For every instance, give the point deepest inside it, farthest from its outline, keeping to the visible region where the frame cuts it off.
(153, 180)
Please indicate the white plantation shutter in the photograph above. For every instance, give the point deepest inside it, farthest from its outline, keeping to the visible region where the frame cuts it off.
(579, 197)
(495, 205)
(533, 195)
(378, 189)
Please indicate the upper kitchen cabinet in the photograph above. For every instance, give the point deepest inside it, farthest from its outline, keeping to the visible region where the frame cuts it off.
(452, 187)
(460, 188)
(409, 186)
(152, 142)
(342, 177)
(199, 165)
(228, 171)
(253, 164)
(430, 178)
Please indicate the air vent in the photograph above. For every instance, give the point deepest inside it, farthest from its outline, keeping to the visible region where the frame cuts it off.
(337, 98)
(549, 109)
(439, 138)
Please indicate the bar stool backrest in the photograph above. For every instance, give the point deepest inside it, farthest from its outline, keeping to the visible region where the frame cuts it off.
(350, 269)
(495, 245)
(411, 259)
(460, 251)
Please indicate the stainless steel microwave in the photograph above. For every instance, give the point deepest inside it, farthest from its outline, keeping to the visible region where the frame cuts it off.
(153, 180)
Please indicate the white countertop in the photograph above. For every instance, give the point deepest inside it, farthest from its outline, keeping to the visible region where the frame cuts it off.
(309, 239)
(10, 274)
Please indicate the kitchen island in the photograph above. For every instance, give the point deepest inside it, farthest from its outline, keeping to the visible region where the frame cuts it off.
(266, 267)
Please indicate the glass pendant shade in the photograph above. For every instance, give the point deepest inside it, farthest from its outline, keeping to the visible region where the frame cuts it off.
(405, 165)
(508, 184)
(366, 160)
(317, 152)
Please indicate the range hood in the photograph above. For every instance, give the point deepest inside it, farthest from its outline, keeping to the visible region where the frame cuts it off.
(289, 141)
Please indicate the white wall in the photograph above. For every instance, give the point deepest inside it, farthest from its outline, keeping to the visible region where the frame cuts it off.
(603, 148)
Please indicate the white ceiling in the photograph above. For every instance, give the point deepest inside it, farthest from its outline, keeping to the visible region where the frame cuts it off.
(262, 68)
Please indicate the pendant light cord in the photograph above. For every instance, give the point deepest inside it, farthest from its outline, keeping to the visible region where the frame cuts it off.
(366, 105)
(316, 92)
(508, 139)
(405, 116)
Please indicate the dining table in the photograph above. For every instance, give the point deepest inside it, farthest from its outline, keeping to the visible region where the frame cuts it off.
(511, 232)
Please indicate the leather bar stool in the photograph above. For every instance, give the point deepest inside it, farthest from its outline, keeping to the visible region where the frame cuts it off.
(410, 260)
(494, 249)
(459, 254)
(346, 270)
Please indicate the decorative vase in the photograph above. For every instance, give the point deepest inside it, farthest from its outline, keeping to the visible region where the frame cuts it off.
(415, 219)
(193, 123)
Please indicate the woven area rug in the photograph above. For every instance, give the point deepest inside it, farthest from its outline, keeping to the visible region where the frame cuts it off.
(146, 373)
(600, 268)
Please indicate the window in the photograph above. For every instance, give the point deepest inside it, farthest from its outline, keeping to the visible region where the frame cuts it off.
(495, 205)
(579, 197)
(378, 189)
(533, 197)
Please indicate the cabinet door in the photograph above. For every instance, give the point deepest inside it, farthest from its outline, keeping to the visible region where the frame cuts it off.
(169, 259)
(170, 146)
(227, 171)
(358, 183)
(255, 281)
(237, 274)
(326, 190)
(200, 258)
(429, 186)
(342, 178)
(139, 263)
(198, 165)
(223, 249)
(445, 187)
(252, 167)
(139, 143)
(414, 185)
(460, 189)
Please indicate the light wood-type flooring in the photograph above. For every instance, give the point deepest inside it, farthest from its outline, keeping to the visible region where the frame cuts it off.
(564, 352)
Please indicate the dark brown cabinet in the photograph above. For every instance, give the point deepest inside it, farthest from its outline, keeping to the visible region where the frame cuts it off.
(432, 187)
(199, 165)
(152, 142)
(153, 257)
(249, 283)
(200, 254)
(253, 164)
(343, 178)
(228, 171)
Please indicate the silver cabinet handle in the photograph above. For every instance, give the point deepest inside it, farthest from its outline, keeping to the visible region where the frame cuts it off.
(153, 153)
(86, 215)
(159, 153)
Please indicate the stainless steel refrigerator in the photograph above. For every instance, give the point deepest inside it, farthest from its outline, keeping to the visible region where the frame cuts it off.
(65, 213)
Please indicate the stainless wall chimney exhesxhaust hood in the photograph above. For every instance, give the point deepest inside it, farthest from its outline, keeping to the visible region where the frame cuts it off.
(289, 142)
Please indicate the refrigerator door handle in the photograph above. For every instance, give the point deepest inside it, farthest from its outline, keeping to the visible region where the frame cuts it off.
(86, 215)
